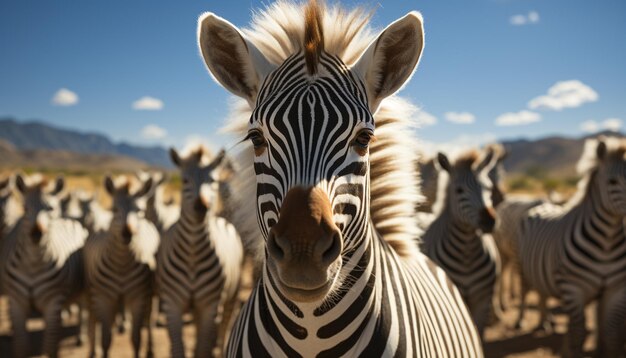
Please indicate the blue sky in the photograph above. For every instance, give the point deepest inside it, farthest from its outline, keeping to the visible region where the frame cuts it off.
(483, 59)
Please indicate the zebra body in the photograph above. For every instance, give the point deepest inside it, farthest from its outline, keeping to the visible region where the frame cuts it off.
(199, 260)
(577, 252)
(453, 240)
(120, 265)
(340, 276)
(44, 267)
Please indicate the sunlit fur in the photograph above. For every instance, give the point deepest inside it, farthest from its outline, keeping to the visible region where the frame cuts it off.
(387, 297)
(577, 252)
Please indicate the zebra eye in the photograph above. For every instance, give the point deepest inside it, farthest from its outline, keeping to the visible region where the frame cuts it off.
(459, 190)
(257, 139)
(612, 181)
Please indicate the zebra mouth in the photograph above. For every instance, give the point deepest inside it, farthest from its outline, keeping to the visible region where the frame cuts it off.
(298, 286)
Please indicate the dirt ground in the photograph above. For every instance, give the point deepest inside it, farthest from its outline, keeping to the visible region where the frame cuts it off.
(501, 340)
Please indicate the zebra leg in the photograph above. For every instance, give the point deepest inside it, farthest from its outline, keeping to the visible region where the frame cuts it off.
(174, 316)
(19, 315)
(206, 330)
(574, 306)
(81, 326)
(106, 316)
(522, 303)
(138, 310)
(52, 333)
(120, 319)
(91, 333)
(228, 318)
(546, 323)
(610, 323)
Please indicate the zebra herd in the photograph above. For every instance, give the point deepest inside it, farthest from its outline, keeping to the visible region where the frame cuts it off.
(321, 192)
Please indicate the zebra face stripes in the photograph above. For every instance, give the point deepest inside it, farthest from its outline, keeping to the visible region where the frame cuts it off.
(311, 133)
(127, 207)
(611, 179)
(468, 190)
(41, 202)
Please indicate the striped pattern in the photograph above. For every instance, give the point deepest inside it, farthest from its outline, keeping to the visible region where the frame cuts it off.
(199, 261)
(44, 268)
(577, 252)
(454, 238)
(380, 303)
(162, 215)
(120, 264)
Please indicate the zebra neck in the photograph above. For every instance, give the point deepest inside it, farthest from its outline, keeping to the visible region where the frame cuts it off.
(451, 227)
(599, 222)
(190, 221)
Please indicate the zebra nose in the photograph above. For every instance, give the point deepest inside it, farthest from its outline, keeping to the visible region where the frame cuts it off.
(324, 250)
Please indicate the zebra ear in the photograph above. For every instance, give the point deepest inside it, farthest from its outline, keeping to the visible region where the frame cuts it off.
(145, 189)
(601, 149)
(175, 157)
(234, 62)
(443, 162)
(487, 161)
(4, 183)
(109, 185)
(59, 184)
(391, 59)
(20, 183)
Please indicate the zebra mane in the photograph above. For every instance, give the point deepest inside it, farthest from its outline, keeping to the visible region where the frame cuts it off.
(394, 179)
(589, 163)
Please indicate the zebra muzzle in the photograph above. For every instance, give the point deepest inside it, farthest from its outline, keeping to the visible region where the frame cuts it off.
(305, 245)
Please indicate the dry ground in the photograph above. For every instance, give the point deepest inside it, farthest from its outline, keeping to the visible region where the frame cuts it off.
(501, 339)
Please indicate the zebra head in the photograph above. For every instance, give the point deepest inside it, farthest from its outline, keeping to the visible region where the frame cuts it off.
(311, 126)
(41, 203)
(200, 182)
(468, 189)
(610, 173)
(128, 205)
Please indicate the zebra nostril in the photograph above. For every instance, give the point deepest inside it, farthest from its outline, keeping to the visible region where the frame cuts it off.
(334, 249)
(274, 248)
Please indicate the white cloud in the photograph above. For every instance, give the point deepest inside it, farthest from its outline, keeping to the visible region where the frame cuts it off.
(425, 119)
(460, 117)
(592, 126)
(517, 118)
(589, 126)
(152, 131)
(65, 97)
(520, 19)
(148, 103)
(612, 124)
(564, 94)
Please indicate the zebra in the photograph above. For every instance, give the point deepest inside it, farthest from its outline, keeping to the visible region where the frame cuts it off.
(454, 239)
(120, 264)
(341, 274)
(44, 268)
(163, 215)
(200, 258)
(577, 252)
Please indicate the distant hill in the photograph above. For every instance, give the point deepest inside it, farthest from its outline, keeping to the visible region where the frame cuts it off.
(555, 156)
(34, 135)
(12, 158)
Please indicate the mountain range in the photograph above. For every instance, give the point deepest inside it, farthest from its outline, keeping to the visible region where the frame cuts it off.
(37, 144)
(37, 136)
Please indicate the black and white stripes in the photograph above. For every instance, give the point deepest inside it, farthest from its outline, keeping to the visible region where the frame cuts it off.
(331, 284)
(200, 258)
